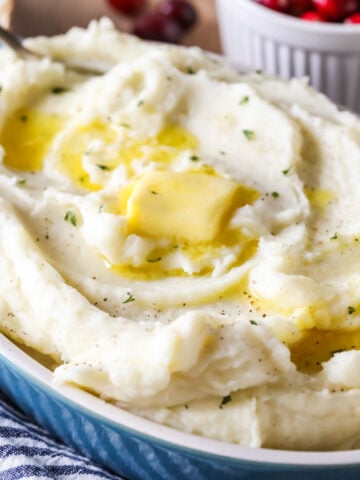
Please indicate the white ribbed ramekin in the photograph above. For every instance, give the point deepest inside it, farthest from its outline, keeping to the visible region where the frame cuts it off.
(257, 38)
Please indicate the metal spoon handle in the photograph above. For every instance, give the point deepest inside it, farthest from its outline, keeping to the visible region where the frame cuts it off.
(15, 43)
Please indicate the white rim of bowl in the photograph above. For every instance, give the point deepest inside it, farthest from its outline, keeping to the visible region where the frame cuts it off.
(298, 24)
(157, 432)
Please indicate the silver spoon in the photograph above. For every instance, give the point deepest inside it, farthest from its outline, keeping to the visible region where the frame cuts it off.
(14, 42)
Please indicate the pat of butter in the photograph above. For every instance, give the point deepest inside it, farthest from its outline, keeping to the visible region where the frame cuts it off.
(181, 206)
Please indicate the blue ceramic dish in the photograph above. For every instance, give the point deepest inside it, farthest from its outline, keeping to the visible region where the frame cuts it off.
(142, 450)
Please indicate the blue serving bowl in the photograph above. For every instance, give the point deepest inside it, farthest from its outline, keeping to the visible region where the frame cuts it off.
(143, 450)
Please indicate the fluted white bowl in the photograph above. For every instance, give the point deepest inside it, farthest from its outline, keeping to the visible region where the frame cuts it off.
(257, 38)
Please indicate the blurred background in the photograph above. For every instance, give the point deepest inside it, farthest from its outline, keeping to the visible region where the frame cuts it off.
(48, 17)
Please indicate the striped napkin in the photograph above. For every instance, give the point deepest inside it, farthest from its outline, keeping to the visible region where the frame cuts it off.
(29, 452)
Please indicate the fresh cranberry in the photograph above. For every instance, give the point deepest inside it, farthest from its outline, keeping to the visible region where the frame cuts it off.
(313, 16)
(154, 26)
(298, 7)
(353, 19)
(128, 7)
(180, 11)
(277, 5)
(336, 10)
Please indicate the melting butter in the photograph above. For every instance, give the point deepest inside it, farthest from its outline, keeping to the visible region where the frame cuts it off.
(27, 137)
(201, 233)
(319, 198)
(318, 346)
(162, 149)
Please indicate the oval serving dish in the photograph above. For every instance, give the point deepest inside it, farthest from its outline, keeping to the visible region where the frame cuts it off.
(143, 450)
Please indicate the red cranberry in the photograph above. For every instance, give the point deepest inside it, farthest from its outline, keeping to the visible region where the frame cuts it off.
(298, 7)
(353, 19)
(180, 11)
(128, 7)
(336, 10)
(313, 16)
(157, 27)
(277, 5)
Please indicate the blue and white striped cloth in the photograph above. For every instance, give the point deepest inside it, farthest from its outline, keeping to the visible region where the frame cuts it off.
(29, 452)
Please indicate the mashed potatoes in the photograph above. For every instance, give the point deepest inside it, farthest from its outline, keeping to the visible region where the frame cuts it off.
(182, 240)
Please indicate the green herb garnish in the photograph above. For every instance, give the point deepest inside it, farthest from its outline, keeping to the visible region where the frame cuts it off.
(244, 100)
(253, 322)
(249, 134)
(194, 158)
(129, 299)
(351, 310)
(285, 172)
(153, 260)
(70, 217)
(275, 194)
(334, 237)
(21, 181)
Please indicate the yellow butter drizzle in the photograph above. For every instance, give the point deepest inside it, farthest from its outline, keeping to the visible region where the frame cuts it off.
(319, 198)
(318, 346)
(75, 147)
(309, 348)
(162, 149)
(154, 270)
(28, 134)
(27, 137)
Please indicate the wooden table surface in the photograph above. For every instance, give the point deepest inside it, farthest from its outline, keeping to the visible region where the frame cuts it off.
(48, 17)
(205, 34)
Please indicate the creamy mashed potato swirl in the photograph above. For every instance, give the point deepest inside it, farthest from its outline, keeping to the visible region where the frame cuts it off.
(183, 240)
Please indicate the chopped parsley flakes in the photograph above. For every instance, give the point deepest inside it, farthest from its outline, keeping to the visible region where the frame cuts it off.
(253, 322)
(244, 100)
(129, 299)
(351, 310)
(154, 260)
(275, 194)
(249, 134)
(70, 217)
